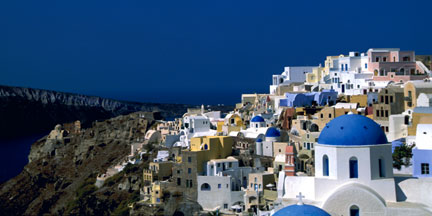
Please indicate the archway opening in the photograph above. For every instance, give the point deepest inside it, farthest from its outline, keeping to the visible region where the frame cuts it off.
(354, 210)
(205, 187)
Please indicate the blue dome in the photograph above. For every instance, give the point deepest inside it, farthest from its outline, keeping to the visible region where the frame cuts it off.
(300, 210)
(257, 119)
(352, 130)
(259, 140)
(272, 132)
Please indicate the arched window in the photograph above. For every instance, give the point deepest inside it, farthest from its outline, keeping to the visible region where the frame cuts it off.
(375, 72)
(205, 146)
(314, 128)
(325, 165)
(381, 167)
(354, 210)
(353, 167)
(205, 187)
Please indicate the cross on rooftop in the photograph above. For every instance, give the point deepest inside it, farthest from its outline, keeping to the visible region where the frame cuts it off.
(300, 199)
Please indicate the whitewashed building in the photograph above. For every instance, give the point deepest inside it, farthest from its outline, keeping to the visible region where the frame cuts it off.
(354, 174)
(349, 74)
(290, 75)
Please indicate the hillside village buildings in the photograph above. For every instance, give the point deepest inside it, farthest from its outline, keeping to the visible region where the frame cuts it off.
(325, 140)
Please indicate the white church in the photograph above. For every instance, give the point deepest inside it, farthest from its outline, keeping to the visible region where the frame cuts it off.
(354, 174)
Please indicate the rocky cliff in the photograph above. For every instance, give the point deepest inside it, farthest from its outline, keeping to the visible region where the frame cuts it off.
(60, 177)
(27, 111)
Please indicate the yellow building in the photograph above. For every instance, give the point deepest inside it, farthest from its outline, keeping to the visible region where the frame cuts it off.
(361, 100)
(328, 63)
(419, 116)
(232, 122)
(316, 75)
(156, 193)
(158, 171)
(212, 147)
(192, 162)
(413, 89)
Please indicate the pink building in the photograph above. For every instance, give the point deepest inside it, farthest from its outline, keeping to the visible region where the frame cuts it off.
(391, 64)
(290, 161)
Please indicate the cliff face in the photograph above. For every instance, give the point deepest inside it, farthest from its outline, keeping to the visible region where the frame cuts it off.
(60, 177)
(27, 111)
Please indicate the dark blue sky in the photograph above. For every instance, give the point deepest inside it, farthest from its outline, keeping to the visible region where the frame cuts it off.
(191, 51)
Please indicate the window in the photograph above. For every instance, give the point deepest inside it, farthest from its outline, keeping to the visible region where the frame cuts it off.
(384, 59)
(178, 181)
(190, 183)
(354, 211)
(189, 159)
(230, 164)
(391, 99)
(386, 99)
(353, 167)
(322, 115)
(377, 113)
(381, 167)
(219, 186)
(386, 113)
(406, 120)
(205, 147)
(366, 65)
(406, 59)
(225, 206)
(329, 115)
(325, 166)
(205, 187)
(189, 170)
(425, 169)
(377, 59)
(255, 179)
(382, 99)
